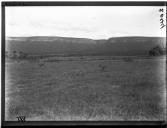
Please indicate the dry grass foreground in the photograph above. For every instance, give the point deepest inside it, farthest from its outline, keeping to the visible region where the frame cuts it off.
(86, 90)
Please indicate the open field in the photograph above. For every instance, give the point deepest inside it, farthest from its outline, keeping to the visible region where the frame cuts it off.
(101, 89)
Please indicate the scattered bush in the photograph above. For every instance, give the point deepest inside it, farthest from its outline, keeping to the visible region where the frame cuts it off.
(81, 57)
(102, 68)
(16, 55)
(128, 59)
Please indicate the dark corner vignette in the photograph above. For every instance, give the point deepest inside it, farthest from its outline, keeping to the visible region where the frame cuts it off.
(85, 3)
(2, 63)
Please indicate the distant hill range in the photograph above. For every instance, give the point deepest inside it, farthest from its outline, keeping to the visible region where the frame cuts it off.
(67, 46)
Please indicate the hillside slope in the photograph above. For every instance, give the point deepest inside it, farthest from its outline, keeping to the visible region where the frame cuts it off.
(82, 46)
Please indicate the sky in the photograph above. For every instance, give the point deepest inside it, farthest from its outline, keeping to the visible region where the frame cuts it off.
(96, 22)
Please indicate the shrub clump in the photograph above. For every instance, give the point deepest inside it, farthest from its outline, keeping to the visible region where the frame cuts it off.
(157, 51)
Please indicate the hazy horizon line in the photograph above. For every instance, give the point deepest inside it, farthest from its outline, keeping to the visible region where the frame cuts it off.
(82, 37)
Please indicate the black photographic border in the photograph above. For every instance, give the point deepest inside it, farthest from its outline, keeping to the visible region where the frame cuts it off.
(66, 123)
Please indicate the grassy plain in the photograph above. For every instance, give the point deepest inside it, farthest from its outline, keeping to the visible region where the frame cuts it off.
(111, 89)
